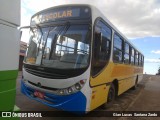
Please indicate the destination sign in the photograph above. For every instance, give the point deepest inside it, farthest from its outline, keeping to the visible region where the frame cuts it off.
(60, 14)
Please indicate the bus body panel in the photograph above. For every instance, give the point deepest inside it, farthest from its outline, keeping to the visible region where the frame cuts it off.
(79, 101)
(99, 96)
(53, 83)
(125, 74)
(74, 103)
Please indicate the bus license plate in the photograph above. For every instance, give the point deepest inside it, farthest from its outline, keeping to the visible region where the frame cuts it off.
(39, 94)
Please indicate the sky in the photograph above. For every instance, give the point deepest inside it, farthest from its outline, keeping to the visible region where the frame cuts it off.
(138, 20)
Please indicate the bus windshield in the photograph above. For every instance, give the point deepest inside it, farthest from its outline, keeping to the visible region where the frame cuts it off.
(60, 47)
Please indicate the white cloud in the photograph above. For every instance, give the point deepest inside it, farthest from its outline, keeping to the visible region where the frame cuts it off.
(156, 52)
(152, 60)
(134, 18)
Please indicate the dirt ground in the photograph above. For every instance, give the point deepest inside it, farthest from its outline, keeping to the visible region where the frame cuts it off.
(145, 98)
(148, 99)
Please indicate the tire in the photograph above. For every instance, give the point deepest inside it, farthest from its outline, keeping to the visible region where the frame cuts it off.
(111, 97)
(111, 94)
(136, 84)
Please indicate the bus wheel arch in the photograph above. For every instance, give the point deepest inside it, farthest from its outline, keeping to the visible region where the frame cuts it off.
(113, 85)
(113, 92)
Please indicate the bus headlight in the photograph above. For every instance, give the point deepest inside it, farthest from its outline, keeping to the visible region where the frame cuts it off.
(73, 89)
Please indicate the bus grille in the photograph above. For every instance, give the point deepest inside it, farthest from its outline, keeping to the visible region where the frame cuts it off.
(44, 87)
(46, 74)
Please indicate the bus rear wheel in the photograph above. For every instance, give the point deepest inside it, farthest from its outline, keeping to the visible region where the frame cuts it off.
(136, 84)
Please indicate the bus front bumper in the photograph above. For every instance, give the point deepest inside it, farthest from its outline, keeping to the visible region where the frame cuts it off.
(75, 103)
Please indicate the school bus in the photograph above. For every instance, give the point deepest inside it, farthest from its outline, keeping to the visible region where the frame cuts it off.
(77, 60)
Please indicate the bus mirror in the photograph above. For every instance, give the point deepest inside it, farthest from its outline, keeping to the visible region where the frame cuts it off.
(24, 27)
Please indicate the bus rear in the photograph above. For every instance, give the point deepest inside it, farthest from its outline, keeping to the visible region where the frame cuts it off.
(57, 65)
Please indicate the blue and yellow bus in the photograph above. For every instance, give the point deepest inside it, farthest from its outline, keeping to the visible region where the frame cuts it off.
(77, 60)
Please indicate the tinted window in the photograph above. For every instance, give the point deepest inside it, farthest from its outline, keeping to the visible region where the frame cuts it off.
(118, 49)
(126, 53)
(140, 60)
(127, 48)
(102, 46)
(61, 48)
(132, 56)
(136, 58)
(117, 42)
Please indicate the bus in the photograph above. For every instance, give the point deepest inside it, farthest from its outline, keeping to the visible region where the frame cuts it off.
(77, 60)
(9, 54)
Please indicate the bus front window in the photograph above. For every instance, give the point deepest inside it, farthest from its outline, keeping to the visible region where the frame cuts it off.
(64, 47)
(36, 45)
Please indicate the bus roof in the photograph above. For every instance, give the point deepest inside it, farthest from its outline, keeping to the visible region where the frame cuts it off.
(97, 13)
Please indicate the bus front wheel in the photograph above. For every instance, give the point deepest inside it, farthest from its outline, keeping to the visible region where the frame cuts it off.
(111, 94)
(110, 98)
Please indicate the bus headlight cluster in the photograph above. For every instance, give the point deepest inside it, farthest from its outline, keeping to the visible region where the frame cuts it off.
(73, 89)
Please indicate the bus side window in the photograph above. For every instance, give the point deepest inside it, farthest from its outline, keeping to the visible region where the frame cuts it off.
(118, 49)
(102, 47)
(139, 60)
(132, 56)
(142, 60)
(126, 53)
(136, 58)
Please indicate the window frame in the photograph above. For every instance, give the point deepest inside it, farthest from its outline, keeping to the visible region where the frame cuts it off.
(139, 59)
(122, 48)
(129, 61)
(132, 55)
(93, 44)
(142, 59)
(136, 60)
